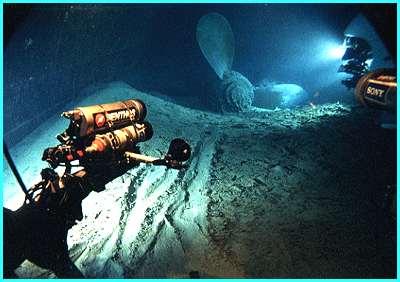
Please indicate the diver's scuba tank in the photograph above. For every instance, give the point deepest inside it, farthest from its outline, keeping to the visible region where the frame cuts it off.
(378, 89)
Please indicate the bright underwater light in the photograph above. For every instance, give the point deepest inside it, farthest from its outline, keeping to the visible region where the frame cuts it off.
(337, 52)
(369, 62)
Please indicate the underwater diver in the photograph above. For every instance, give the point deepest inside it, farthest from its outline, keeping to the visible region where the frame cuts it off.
(103, 139)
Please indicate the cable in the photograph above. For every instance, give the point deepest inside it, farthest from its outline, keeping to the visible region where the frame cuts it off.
(15, 171)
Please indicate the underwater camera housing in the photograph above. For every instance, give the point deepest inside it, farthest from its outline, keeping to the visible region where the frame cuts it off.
(378, 89)
(90, 120)
(109, 133)
(356, 59)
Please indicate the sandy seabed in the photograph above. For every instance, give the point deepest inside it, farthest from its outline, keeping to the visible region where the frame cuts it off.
(283, 193)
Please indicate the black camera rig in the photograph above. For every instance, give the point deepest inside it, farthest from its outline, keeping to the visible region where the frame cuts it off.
(103, 141)
(109, 133)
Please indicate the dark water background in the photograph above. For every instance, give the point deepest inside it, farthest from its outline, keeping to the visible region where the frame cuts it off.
(52, 52)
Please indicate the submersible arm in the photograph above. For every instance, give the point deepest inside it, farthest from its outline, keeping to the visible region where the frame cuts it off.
(140, 158)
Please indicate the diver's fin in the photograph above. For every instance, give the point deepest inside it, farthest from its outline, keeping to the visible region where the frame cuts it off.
(215, 37)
